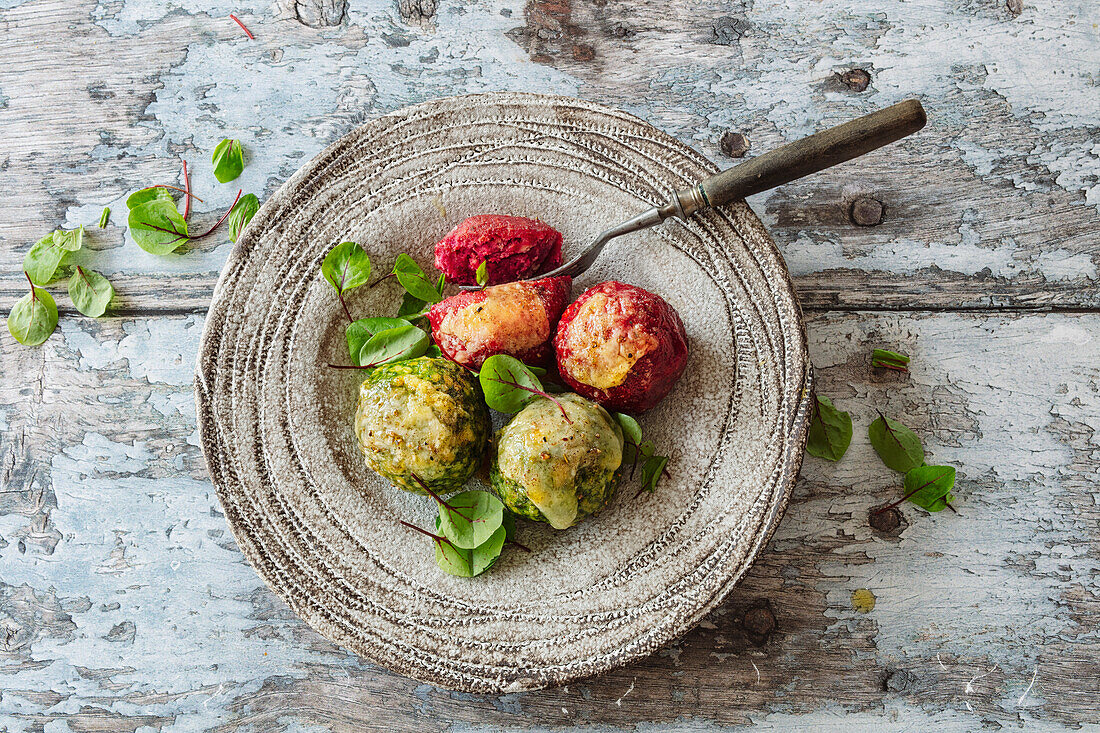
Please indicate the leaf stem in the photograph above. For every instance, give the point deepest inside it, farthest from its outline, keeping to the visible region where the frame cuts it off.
(243, 28)
(210, 231)
(83, 277)
(525, 548)
(540, 393)
(438, 498)
(382, 279)
(186, 190)
(347, 312)
(181, 190)
(435, 537)
(31, 283)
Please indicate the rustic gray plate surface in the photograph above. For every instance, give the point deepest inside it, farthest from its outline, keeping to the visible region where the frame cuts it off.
(323, 531)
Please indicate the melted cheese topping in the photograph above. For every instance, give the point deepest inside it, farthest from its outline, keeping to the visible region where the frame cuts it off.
(543, 453)
(402, 431)
(603, 345)
(511, 316)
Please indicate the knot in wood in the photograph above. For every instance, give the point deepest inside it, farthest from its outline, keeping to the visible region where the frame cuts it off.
(733, 144)
(855, 79)
(729, 31)
(759, 620)
(885, 521)
(867, 211)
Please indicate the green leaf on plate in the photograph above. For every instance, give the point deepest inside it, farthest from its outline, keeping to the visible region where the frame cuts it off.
(469, 519)
(393, 344)
(346, 266)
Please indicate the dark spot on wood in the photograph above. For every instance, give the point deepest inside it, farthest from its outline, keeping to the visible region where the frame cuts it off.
(100, 92)
(122, 632)
(867, 212)
(729, 31)
(898, 680)
(856, 80)
(759, 622)
(395, 40)
(109, 606)
(583, 52)
(884, 521)
(1015, 6)
(320, 13)
(416, 11)
(621, 30)
(733, 144)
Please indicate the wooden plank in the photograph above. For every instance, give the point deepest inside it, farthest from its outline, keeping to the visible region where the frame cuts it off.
(994, 204)
(124, 602)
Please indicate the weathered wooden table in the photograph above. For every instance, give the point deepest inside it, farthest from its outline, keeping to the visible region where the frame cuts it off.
(973, 246)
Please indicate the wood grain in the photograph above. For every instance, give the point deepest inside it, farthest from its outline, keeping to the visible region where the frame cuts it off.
(116, 555)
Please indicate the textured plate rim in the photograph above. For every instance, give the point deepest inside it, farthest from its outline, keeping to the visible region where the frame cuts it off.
(778, 501)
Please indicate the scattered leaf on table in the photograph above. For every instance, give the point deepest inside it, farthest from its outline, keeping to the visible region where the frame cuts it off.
(42, 260)
(228, 160)
(242, 213)
(33, 317)
(830, 431)
(157, 225)
(90, 292)
(929, 487)
(897, 446)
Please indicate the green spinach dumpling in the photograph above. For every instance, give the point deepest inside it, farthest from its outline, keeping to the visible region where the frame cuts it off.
(425, 417)
(552, 470)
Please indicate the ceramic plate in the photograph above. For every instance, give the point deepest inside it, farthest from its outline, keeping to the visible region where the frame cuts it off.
(323, 531)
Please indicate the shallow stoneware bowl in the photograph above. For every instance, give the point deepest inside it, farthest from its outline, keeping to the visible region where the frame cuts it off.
(322, 530)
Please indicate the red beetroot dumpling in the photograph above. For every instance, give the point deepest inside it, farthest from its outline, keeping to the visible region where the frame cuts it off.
(517, 319)
(621, 346)
(513, 247)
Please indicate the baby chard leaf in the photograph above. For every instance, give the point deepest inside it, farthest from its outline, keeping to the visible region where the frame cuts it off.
(42, 260)
(153, 193)
(929, 487)
(897, 446)
(346, 266)
(157, 226)
(470, 519)
(393, 344)
(90, 292)
(469, 563)
(830, 431)
(652, 471)
(416, 282)
(885, 359)
(359, 332)
(508, 384)
(481, 275)
(411, 308)
(433, 352)
(33, 318)
(104, 217)
(241, 214)
(228, 160)
(632, 431)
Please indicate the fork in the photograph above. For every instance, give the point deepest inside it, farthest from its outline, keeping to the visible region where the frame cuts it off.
(784, 164)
